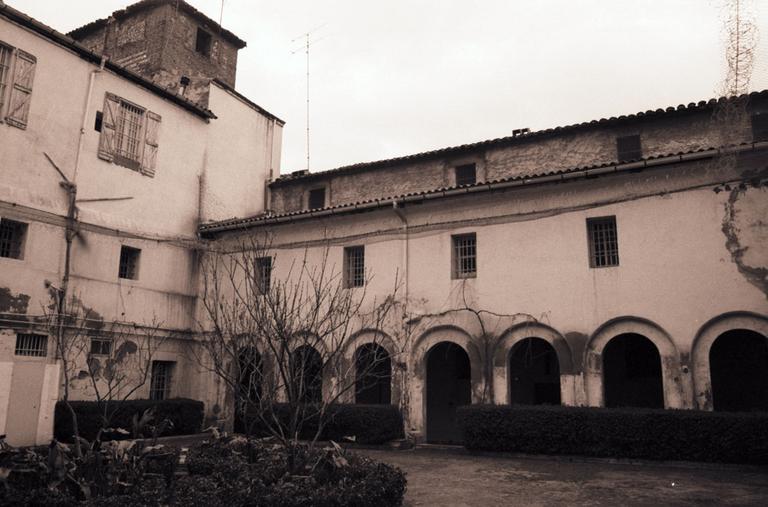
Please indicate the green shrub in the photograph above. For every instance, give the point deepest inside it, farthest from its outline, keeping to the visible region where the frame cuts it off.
(186, 415)
(368, 424)
(627, 433)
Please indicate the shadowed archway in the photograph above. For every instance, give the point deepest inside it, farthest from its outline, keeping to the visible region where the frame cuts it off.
(739, 367)
(534, 373)
(449, 385)
(373, 375)
(307, 374)
(632, 372)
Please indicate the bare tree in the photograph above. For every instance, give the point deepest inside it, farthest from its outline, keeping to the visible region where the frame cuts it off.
(281, 344)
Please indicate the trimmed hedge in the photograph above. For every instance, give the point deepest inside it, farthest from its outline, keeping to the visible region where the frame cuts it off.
(369, 424)
(186, 415)
(686, 435)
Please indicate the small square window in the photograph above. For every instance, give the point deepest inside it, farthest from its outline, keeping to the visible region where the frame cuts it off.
(160, 383)
(129, 263)
(760, 127)
(628, 148)
(203, 42)
(101, 346)
(263, 274)
(354, 266)
(464, 256)
(12, 235)
(316, 199)
(466, 175)
(31, 345)
(603, 242)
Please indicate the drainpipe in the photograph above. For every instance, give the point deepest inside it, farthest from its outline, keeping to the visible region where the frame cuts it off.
(86, 111)
(398, 209)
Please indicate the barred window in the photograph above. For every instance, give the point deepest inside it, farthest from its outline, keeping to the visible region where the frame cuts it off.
(12, 234)
(264, 273)
(160, 384)
(354, 266)
(316, 199)
(466, 174)
(128, 139)
(101, 346)
(603, 242)
(129, 134)
(629, 148)
(129, 263)
(464, 255)
(33, 345)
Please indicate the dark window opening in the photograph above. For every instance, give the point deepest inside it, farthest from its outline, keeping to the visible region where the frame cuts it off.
(760, 127)
(12, 234)
(129, 263)
(98, 121)
(354, 266)
(316, 198)
(263, 274)
(628, 148)
(307, 375)
(160, 384)
(466, 174)
(464, 256)
(31, 345)
(101, 346)
(203, 42)
(603, 242)
(534, 373)
(738, 362)
(632, 372)
(373, 379)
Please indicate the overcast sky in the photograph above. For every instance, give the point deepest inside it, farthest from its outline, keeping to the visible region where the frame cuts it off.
(403, 76)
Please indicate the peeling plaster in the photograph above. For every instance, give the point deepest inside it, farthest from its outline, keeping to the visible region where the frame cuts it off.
(735, 221)
(13, 304)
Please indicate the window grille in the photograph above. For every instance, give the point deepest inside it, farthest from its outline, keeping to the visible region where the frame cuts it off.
(34, 345)
(160, 384)
(264, 273)
(12, 238)
(354, 266)
(129, 263)
(101, 346)
(466, 174)
(464, 256)
(603, 242)
(316, 198)
(128, 135)
(760, 127)
(629, 148)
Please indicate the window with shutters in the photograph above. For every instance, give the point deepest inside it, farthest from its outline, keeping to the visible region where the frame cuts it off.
(129, 135)
(17, 73)
(603, 242)
(354, 266)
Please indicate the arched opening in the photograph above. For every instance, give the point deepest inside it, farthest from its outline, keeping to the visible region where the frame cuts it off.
(373, 375)
(534, 373)
(448, 387)
(632, 372)
(738, 362)
(307, 374)
(249, 384)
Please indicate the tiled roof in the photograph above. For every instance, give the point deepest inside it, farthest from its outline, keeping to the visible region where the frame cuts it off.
(79, 33)
(86, 54)
(505, 141)
(520, 180)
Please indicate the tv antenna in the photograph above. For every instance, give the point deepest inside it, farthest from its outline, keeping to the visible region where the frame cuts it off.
(305, 47)
(221, 14)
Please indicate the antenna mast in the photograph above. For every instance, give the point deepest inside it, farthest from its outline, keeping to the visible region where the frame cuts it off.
(305, 48)
(221, 14)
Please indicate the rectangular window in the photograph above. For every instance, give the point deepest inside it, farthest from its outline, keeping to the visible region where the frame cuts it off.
(129, 135)
(354, 266)
(760, 127)
(5, 72)
(17, 73)
(160, 383)
(203, 42)
(466, 175)
(101, 346)
(32, 345)
(628, 148)
(12, 235)
(464, 256)
(264, 273)
(316, 198)
(603, 242)
(129, 263)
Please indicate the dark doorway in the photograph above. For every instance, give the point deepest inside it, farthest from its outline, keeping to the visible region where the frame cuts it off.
(738, 362)
(534, 373)
(632, 372)
(307, 373)
(373, 379)
(448, 386)
(249, 385)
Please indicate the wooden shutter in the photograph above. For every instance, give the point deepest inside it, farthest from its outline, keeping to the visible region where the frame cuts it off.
(149, 160)
(21, 90)
(109, 118)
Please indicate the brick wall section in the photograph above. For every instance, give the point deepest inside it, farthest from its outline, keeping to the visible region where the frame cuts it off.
(588, 146)
(159, 44)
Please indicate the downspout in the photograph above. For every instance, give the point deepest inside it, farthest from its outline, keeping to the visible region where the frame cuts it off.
(398, 209)
(405, 399)
(270, 169)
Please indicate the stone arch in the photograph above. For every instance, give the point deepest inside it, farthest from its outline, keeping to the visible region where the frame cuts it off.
(418, 365)
(670, 359)
(517, 334)
(370, 336)
(702, 343)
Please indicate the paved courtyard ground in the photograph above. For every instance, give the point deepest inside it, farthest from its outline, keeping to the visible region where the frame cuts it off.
(452, 478)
